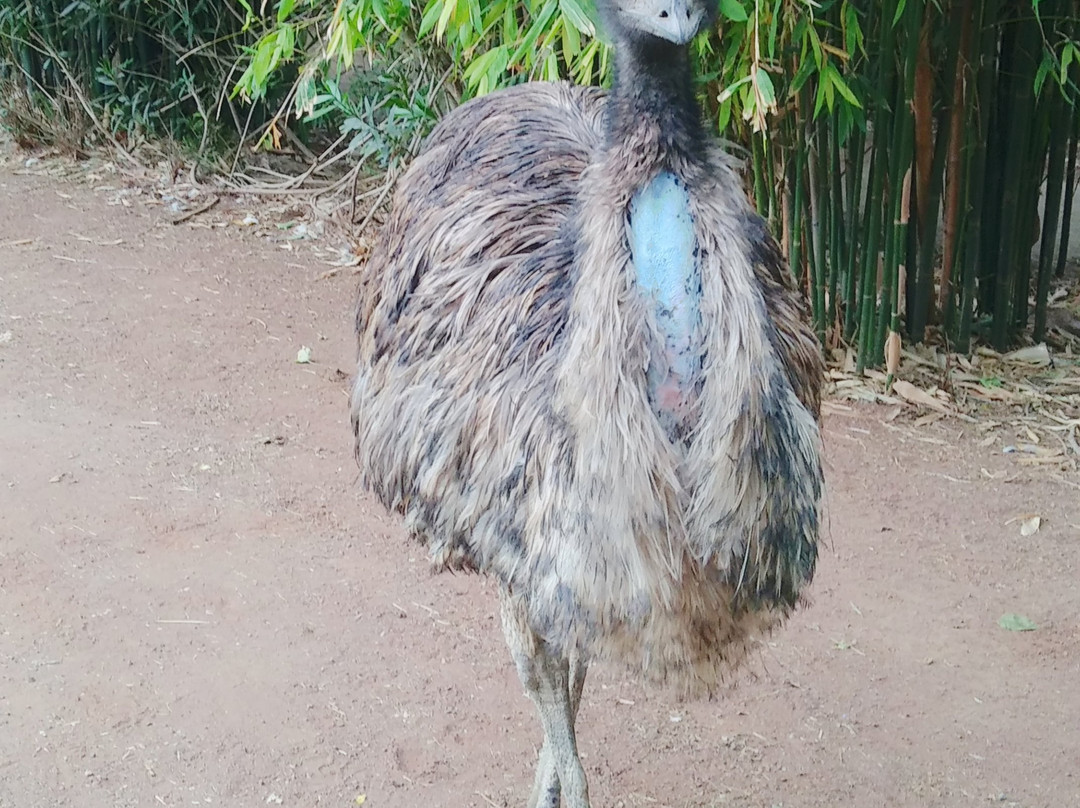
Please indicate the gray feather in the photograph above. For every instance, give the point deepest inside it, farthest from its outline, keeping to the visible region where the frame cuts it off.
(501, 400)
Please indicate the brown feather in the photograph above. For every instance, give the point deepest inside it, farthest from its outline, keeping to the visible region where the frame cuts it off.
(501, 400)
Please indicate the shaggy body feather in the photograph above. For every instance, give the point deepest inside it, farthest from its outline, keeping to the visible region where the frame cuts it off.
(501, 402)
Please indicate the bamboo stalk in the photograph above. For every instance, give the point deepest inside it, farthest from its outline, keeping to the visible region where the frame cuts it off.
(922, 311)
(874, 209)
(900, 169)
(978, 150)
(797, 215)
(1011, 245)
(956, 176)
(855, 165)
(1070, 192)
(837, 246)
(817, 229)
(1054, 182)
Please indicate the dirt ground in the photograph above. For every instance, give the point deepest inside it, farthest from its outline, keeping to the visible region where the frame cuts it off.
(199, 607)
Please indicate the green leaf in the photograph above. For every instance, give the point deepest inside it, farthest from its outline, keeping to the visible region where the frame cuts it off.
(432, 13)
(285, 8)
(899, 11)
(815, 43)
(765, 87)
(842, 88)
(805, 71)
(1040, 75)
(1016, 622)
(449, 6)
(578, 17)
(733, 10)
(1066, 59)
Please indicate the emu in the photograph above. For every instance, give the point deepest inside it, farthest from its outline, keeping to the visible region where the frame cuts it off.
(584, 371)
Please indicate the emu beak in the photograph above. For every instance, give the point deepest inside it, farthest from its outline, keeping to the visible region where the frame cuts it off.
(677, 21)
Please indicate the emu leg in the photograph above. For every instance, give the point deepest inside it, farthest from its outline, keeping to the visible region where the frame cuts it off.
(551, 685)
(546, 790)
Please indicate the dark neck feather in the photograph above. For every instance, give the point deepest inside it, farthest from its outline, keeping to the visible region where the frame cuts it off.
(654, 83)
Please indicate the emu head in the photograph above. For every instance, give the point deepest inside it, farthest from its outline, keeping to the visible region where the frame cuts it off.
(674, 21)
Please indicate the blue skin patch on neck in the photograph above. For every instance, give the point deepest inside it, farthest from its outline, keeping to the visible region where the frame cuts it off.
(665, 254)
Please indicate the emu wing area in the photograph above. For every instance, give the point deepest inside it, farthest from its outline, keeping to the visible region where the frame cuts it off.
(460, 316)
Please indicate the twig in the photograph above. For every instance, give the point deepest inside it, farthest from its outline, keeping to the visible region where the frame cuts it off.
(191, 214)
(87, 107)
(487, 799)
(391, 179)
(299, 144)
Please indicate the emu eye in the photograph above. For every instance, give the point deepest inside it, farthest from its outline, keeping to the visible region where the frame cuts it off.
(663, 15)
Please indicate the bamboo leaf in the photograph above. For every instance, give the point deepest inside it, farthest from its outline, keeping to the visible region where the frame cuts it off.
(805, 71)
(852, 32)
(733, 10)
(842, 88)
(1066, 59)
(432, 14)
(285, 8)
(765, 87)
(445, 14)
(899, 11)
(578, 17)
(1016, 622)
(815, 44)
(1044, 70)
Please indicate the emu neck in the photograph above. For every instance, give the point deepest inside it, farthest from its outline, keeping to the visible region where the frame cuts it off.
(654, 83)
(653, 97)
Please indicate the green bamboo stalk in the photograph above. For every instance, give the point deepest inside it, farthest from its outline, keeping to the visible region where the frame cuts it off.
(996, 155)
(981, 115)
(797, 204)
(874, 207)
(810, 224)
(757, 158)
(856, 160)
(1027, 224)
(872, 224)
(771, 184)
(818, 224)
(1013, 243)
(836, 222)
(1055, 165)
(902, 153)
(1070, 192)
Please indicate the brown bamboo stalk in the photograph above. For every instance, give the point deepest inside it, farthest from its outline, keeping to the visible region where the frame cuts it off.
(955, 157)
(923, 109)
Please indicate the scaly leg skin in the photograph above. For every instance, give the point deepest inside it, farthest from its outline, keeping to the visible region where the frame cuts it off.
(546, 792)
(554, 684)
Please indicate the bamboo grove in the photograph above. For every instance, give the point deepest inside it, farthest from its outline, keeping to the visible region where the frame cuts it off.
(908, 154)
(131, 67)
(910, 198)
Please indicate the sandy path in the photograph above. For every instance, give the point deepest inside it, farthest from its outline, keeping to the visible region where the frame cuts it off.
(197, 606)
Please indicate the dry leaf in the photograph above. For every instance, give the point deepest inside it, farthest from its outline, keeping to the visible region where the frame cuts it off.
(916, 395)
(990, 393)
(1030, 526)
(929, 418)
(1032, 355)
(892, 353)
